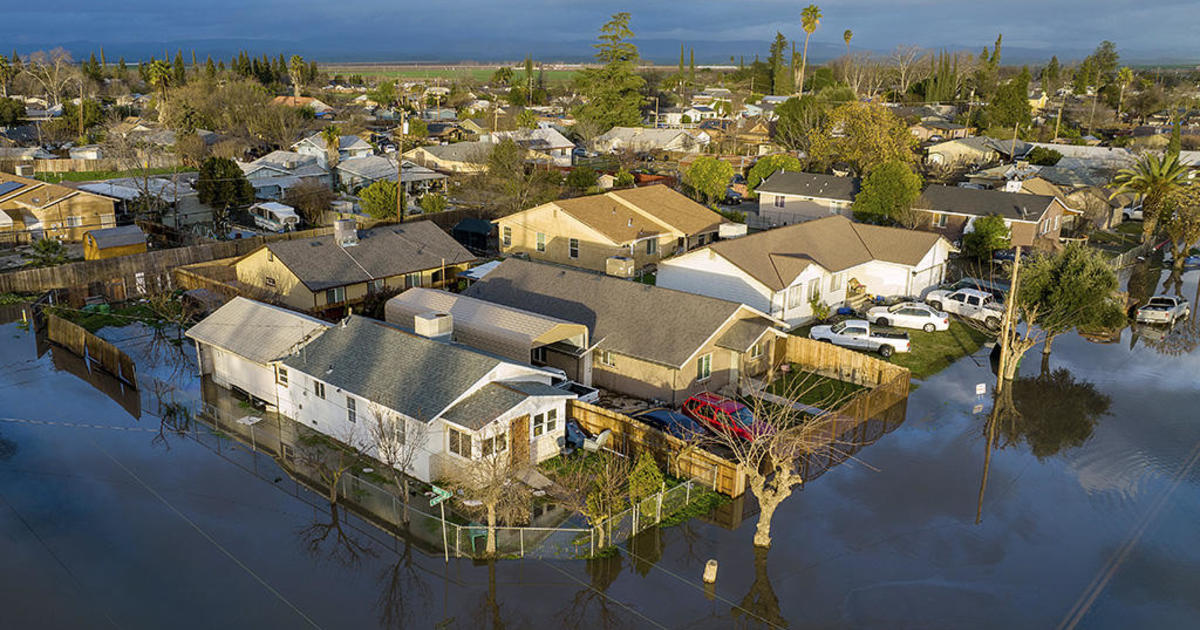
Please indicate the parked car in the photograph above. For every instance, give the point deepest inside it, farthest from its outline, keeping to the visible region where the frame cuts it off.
(968, 304)
(721, 414)
(1008, 255)
(909, 315)
(998, 289)
(732, 197)
(861, 335)
(675, 423)
(1132, 214)
(1163, 309)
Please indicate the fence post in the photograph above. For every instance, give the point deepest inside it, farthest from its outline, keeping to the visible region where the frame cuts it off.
(687, 494)
(592, 543)
(521, 535)
(658, 514)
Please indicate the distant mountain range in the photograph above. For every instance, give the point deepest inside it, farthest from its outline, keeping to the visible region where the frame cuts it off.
(665, 52)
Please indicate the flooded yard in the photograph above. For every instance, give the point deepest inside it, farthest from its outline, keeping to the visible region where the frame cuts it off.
(1089, 518)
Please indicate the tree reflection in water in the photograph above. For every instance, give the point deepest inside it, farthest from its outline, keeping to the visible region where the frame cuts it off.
(761, 604)
(8, 448)
(401, 585)
(1049, 413)
(603, 571)
(328, 539)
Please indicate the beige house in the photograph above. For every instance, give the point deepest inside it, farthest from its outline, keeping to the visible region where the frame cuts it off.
(637, 227)
(328, 273)
(789, 197)
(647, 341)
(1033, 220)
(31, 210)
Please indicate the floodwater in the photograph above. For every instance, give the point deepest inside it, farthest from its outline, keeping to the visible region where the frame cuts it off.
(1090, 519)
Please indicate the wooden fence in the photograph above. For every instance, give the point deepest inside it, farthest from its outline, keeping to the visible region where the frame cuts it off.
(683, 460)
(83, 343)
(137, 273)
(841, 363)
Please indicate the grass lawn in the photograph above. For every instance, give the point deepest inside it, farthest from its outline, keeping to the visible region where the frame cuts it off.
(116, 317)
(87, 176)
(813, 389)
(474, 74)
(931, 353)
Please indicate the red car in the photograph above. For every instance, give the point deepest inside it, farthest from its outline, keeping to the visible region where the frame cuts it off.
(721, 413)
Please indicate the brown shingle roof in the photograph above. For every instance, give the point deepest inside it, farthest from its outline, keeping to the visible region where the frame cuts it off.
(627, 215)
(776, 257)
(1016, 206)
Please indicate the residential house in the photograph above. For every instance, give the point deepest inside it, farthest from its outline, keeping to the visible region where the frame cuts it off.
(113, 242)
(973, 151)
(542, 140)
(634, 227)
(475, 126)
(174, 196)
(750, 110)
(640, 139)
(650, 342)
(348, 147)
(273, 174)
(300, 102)
(787, 197)
(444, 131)
(1034, 220)
(241, 344)
(512, 333)
(328, 273)
(785, 271)
(438, 114)
(460, 157)
(357, 173)
(939, 130)
(31, 209)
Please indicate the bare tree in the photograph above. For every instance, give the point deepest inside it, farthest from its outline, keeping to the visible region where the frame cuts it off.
(52, 71)
(595, 487)
(397, 443)
(906, 60)
(493, 481)
(785, 432)
(330, 459)
(312, 199)
(343, 547)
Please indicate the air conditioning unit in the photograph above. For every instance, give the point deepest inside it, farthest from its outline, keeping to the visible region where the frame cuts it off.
(731, 230)
(619, 266)
(433, 325)
(24, 170)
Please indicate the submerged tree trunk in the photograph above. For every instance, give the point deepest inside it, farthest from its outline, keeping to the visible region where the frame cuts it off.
(491, 523)
(767, 502)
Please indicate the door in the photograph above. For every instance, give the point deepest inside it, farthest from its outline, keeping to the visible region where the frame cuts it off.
(972, 306)
(518, 434)
(855, 336)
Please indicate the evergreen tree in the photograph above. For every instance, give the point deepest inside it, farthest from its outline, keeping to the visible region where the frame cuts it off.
(221, 184)
(692, 67)
(121, 67)
(1050, 75)
(180, 73)
(210, 70)
(779, 68)
(103, 60)
(614, 89)
(1175, 145)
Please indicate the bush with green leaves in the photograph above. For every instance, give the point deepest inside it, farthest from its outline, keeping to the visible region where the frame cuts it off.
(379, 199)
(433, 203)
(1041, 156)
(887, 194)
(581, 178)
(988, 234)
(47, 252)
(708, 177)
(645, 479)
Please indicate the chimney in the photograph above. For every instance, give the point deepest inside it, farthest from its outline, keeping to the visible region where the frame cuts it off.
(434, 325)
(345, 232)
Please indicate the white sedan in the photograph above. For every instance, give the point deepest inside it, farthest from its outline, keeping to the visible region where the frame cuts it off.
(909, 315)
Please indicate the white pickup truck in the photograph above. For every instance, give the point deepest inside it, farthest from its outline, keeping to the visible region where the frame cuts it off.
(970, 304)
(1163, 309)
(861, 335)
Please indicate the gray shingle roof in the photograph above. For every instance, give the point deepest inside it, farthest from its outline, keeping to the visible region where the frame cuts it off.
(259, 332)
(1018, 206)
(810, 185)
(480, 408)
(382, 252)
(744, 333)
(647, 322)
(413, 375)
(118, 236)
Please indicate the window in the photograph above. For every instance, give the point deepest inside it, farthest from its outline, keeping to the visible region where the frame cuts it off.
(73, 222)
(495, 445)
(541, 241)
(412, 280)
(281, 376)
(704, 367)
(269, 281)
(539, 354)
(270, 256)
(778, 201)
(375, 286)
(795, 296)
(835, 282)
(545, 422)
(837, 207)
(814, 289)
(507, 232)
(756, 350)
(319, 389)
(335, 295)
(652, 247)
(939, 219)
(606, 358)
(460, 443)
(573, 248)
(351, 409)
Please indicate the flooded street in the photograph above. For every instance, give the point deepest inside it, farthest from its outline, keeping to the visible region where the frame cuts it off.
(1090, 518)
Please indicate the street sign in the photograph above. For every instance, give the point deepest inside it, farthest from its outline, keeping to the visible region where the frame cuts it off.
(439, 495)
(980, 389)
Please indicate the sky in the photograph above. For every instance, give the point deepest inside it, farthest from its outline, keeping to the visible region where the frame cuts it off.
(490, 30)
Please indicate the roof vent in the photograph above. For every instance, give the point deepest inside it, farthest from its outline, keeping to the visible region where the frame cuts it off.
(630, 224)
(345, 232)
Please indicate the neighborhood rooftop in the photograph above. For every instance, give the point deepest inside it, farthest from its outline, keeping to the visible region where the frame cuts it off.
(260, 332)
(1010, 205)
(810, 185)
(627, 215)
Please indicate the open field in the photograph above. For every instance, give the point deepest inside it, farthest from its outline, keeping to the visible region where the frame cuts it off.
(476, 74)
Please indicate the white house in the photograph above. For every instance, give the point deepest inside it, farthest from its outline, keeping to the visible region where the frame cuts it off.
(545, 140)
(830, 260)
(241, 344)
(642, 139)
(276, 172)
(348, 147)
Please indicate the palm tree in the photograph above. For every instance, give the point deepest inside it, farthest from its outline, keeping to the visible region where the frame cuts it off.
(296, 70)
(810, 19)
(160, 77)
(1124, 78)
(1152, 179)
(332, 135)
(846, 36)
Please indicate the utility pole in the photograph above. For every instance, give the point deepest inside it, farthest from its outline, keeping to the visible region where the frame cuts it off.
(81, 136)
(1057, 121)
(1006, 325)
(1013, 153)
(400, 166)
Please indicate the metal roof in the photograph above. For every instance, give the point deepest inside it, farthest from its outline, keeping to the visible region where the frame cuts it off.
(259, 332)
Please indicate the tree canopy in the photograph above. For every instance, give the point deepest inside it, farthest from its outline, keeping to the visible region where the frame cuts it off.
(379, 199)
(798, 118)
(888, 193)
(613, 90)
(708, 178)
(988, 234)
(862, 135)
(221, 184)
(769, 164)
